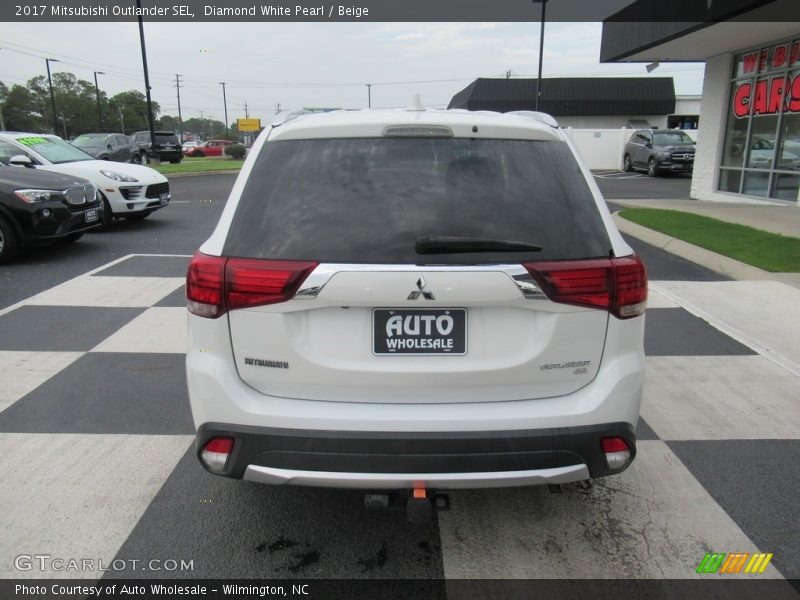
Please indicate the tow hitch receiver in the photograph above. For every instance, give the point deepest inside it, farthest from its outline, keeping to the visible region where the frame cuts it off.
(419, 505)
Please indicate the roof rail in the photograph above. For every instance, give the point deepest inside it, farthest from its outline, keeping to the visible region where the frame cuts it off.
(536, 116)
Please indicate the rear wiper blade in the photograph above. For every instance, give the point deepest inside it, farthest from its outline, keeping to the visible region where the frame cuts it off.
(446, 244)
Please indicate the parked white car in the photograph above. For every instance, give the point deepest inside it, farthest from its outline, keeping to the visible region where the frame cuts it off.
(128, 190)
(415, 299)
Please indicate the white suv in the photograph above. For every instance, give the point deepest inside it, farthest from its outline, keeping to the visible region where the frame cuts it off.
(415, 299)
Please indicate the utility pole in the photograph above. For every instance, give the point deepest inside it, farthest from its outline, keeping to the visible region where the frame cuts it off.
(146, 77)
(47, 61)
(541, 50)
(246, 114)
(278, 108)
(180, 119)
(121, 119)
(225, 104)
(97, 93)
(369, 95)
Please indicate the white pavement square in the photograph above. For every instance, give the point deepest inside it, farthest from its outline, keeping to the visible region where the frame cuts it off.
(77, 496)
(108, 291)
(720, 398)
(23, 372)
(762, 314)
(633, 525)
(155, 330)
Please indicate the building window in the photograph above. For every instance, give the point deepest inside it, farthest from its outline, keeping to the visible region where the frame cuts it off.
(761, 150)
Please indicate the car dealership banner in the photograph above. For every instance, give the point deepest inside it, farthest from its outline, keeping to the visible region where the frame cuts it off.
(768, 93)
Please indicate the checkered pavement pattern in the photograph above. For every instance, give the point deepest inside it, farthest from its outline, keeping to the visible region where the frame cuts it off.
(96, 460)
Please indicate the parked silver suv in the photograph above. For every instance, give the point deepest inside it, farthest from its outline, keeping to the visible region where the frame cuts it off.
(415, 299)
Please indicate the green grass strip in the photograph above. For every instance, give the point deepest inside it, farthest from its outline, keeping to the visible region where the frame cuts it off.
(768, 251)
(199, 165)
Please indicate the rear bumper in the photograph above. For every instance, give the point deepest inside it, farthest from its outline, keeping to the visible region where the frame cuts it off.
(397, 460)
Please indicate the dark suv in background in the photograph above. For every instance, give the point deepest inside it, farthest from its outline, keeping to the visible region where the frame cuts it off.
(659, 151)
(167, 146)
(108, 146)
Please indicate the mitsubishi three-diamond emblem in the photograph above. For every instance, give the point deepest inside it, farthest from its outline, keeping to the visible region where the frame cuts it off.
(422, 291)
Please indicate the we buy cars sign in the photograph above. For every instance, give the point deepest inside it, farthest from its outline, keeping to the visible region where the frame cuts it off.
(770, 93)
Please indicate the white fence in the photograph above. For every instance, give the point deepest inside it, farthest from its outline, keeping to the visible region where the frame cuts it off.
(602, 149)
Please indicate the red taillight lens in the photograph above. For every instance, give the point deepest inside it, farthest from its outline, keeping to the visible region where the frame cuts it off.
(617, 452)
(251, 282)
(618, 285)
(216, 452)
(217, 284)
(630, 277)
(204, 286)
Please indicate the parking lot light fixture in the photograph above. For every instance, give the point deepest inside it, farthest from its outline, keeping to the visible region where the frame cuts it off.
(47, 61)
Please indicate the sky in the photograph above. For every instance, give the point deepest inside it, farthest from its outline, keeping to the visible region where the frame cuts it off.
(301, 65)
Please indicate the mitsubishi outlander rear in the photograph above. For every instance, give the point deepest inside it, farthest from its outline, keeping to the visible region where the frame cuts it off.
(415, 299)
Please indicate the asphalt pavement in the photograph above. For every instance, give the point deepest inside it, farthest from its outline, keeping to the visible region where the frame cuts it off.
(97, 459)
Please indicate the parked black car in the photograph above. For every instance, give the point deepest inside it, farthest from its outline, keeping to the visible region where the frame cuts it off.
(109, 146)
(167, 146)
(658, 151)
(39, 207)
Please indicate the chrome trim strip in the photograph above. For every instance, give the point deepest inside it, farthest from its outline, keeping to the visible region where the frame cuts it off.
(275, 476)
(317, 280)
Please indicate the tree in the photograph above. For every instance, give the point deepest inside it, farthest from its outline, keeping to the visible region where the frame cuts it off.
(20, 112)
(132, 105)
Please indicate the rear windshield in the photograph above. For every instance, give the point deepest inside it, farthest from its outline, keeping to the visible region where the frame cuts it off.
(166, 138)
(366, 200)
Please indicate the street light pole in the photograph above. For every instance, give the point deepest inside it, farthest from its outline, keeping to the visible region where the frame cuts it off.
(369, 95)
(97, 93)
(47, 61)
(225, 103)
(541, 52)
(150, 123)
(180, 117)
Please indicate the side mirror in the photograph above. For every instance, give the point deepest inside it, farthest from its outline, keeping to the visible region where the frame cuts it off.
(108, 146)
(20, 160)
(648, 144)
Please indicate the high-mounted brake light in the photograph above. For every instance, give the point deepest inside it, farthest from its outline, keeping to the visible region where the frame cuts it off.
(216, 284)
(618, 285)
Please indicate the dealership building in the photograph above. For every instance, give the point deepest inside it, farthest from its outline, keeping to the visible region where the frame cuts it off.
(749, 127)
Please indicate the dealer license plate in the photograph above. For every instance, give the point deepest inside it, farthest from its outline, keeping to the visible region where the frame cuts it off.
(419, 331)
(90, 215)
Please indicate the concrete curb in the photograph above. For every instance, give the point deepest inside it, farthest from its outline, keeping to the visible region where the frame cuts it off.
(711, 260)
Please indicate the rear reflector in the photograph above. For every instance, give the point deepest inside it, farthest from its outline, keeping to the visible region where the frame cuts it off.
(618, 285)
(217, 284)
(617, 452)
(216, 452)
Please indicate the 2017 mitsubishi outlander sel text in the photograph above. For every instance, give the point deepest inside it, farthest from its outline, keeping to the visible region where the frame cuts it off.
(411, 299)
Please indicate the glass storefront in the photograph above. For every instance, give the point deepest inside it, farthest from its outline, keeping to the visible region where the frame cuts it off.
(761, 151)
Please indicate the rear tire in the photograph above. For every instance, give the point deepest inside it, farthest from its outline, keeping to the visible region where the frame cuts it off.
(175, 161)
(652, 171)
(198, 153)
(9, 241)
(627, 166)
(136, 159)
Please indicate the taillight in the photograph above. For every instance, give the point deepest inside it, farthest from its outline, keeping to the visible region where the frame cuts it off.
(618, 285)
(252, 282)
(204, 286)
(217, 284)
(216, 452)
(617, 452)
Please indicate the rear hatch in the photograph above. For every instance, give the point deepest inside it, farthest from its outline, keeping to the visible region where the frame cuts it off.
(359, 270)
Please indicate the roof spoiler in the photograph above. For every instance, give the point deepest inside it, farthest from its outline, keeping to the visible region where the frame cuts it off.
(536, 116)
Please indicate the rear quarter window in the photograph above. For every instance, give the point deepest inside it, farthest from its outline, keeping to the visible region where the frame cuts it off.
(366, 200)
